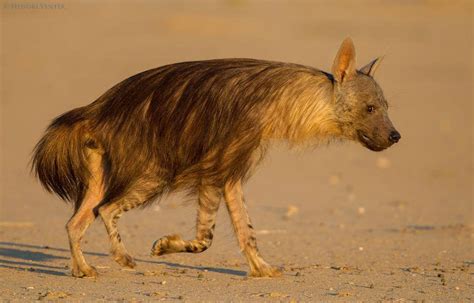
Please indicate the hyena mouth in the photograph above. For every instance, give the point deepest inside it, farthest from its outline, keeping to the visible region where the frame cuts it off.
(368, 142)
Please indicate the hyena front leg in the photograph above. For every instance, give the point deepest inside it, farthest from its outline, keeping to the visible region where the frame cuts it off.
(209, 200)
(110, 213)
(245, 233)
(85, 215)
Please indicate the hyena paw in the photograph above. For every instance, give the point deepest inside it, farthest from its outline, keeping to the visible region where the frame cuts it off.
(87, 272)
(164, 245)
(160, 247)
(125, 260)
(265, 270)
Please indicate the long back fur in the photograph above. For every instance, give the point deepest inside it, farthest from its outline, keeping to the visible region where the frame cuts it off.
(184, 124)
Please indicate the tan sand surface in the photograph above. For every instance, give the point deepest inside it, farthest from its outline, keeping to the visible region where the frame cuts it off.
(361, 226)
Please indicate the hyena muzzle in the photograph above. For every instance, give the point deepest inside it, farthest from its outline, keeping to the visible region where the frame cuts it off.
(201, 127)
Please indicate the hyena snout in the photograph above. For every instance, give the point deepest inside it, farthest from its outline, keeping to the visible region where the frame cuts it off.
(378, 139)
(394, 136)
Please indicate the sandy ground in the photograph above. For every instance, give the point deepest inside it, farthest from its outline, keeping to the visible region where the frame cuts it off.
(362, 226)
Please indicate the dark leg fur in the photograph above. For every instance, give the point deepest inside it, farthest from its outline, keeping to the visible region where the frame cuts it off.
(245, 234)
(142, 192)
(209, 200)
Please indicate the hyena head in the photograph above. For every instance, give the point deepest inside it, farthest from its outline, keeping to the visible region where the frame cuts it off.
(360, 106)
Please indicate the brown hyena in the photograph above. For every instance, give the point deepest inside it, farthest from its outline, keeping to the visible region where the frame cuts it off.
(200, 127)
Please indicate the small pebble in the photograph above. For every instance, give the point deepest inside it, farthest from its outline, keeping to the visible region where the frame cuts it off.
(158, 294)
(334, 180)
(276, 295)
(383, 162)
(445, 126)
(344, 294)
(52, 295)
(291, 211)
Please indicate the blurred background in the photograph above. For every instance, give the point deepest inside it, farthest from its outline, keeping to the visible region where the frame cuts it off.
(339, 213)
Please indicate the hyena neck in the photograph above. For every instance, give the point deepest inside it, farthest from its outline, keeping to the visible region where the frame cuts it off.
(304, 112)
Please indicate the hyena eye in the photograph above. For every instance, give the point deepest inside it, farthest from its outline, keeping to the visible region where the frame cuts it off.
(370, 108)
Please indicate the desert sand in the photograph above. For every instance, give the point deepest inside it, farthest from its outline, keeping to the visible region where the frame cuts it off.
(345, 224)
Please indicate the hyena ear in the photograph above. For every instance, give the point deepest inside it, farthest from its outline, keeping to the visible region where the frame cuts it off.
(370, 68)
(344, 63)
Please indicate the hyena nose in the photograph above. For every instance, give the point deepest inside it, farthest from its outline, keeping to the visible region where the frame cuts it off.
(394, 136)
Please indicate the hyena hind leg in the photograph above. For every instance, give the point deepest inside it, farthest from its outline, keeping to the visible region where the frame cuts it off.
(245, 233)
(143, 191)
(85, 215)
(209, 200)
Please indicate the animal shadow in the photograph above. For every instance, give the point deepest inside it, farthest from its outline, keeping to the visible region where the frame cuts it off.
(35, 258)
(25, 257)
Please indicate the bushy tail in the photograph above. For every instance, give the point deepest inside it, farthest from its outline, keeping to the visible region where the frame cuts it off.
(59, 160)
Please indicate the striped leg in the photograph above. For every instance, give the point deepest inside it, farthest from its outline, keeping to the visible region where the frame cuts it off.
(111, 212)
(244, 230)
(209, 200)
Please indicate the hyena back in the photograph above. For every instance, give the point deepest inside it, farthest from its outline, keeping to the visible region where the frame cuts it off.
(201, 127)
